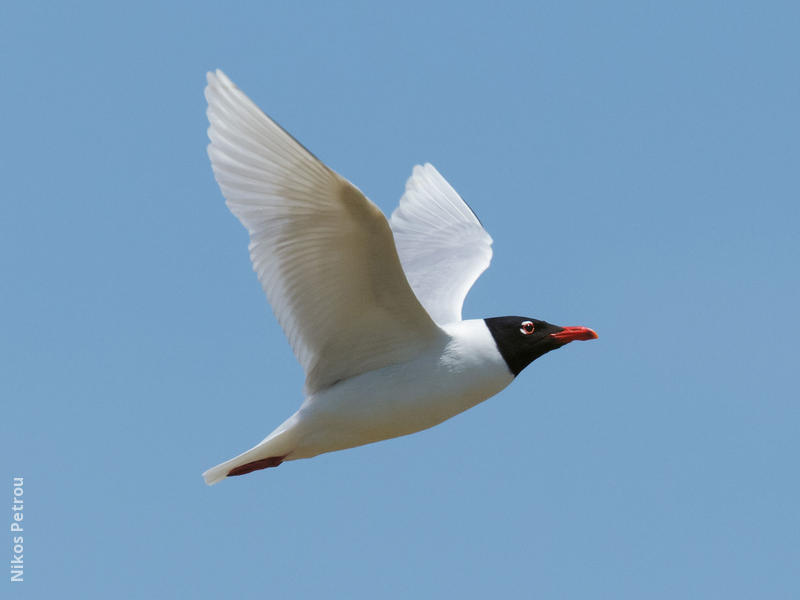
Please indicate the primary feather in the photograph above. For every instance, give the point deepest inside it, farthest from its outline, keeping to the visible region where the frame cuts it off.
(323, 252)
(442, 245)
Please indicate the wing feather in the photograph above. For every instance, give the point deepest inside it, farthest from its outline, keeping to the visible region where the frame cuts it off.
(324, 253)
(442, 245)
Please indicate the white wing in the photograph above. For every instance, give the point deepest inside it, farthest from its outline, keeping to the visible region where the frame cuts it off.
(442, 245)
(323, 252)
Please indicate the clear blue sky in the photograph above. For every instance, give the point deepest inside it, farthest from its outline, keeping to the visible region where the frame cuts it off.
(637, 166)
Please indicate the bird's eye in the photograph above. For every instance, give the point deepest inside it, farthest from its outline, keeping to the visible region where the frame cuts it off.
(526, 328)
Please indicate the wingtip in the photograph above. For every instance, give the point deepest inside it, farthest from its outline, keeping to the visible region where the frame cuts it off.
(218, 77)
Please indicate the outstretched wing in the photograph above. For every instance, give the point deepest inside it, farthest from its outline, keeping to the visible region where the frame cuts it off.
(442, 245)
(323, 252)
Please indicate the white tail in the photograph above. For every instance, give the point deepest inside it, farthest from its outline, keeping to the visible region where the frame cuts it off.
(218, 473)
(268, 453)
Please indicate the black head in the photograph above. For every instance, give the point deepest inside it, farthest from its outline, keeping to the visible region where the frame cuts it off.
(521, 340)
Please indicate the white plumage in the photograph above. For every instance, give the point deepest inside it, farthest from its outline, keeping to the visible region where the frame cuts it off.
(372, 312)
(442, 245)
(324, 253)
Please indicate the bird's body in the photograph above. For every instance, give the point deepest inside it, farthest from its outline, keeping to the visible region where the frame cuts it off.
(372, 310)
(459, 370)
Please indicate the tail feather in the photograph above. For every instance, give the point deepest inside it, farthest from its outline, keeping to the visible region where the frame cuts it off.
(269, 453)
(217, 474)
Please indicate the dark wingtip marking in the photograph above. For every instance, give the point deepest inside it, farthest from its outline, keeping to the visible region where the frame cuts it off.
(264, 463)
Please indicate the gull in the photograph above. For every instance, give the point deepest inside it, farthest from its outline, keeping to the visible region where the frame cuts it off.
(371, 307)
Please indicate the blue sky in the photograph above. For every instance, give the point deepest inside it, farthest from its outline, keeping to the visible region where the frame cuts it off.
(637, 166)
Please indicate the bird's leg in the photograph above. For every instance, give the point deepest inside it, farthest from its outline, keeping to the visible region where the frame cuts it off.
(264, 463)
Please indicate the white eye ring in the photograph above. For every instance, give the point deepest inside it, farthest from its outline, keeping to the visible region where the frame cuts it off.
(526, 328)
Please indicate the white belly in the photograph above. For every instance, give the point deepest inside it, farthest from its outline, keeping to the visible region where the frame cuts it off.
(465, 369)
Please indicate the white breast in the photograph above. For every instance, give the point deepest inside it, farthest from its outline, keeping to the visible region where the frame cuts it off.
(460, 370)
